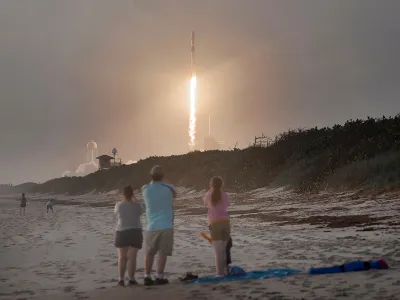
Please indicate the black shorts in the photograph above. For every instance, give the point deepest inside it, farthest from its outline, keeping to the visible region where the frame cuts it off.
(129, 238)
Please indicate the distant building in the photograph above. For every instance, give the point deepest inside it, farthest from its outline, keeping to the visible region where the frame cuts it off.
(210, 144)
(203, 133)
(91, 151)
(104, 161)
(107, 161)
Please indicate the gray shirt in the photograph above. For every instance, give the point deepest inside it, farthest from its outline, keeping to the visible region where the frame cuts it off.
(128, 215)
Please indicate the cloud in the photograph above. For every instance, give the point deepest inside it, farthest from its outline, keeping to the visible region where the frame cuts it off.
(82, 170)
(88, 168)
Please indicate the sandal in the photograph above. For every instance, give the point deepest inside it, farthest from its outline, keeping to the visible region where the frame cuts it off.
(189, 277)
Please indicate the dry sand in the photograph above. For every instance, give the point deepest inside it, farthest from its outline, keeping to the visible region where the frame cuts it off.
(69, 254)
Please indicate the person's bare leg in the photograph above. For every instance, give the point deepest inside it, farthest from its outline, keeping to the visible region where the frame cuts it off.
(219, 256)
(161, 262)
(148, 264)
(223, 267)
(20, 211)
(122, 259)
(216, 256)
(132, 255)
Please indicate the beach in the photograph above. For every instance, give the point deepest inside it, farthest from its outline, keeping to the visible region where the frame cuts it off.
(70, 254)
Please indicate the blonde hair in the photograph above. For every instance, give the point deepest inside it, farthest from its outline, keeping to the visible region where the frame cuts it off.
(216, 184)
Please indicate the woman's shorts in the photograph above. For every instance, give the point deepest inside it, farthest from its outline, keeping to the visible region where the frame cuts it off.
(23, 205)
(129, 238)
(220, 230)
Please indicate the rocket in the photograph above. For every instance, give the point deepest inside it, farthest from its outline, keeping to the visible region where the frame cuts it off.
(192, 55)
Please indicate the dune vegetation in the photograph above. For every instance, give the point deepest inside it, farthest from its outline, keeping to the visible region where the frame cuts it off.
(357, 154)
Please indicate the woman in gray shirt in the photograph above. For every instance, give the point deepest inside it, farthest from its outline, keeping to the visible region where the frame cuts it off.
(128, 235)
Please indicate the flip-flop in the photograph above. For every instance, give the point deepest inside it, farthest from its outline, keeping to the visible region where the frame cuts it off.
(189, 277)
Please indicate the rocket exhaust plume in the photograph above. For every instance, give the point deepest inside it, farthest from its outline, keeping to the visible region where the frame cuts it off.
(193, 86)
(192, 115)
(192, 54)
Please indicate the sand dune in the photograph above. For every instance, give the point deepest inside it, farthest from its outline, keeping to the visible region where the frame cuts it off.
(70, 254)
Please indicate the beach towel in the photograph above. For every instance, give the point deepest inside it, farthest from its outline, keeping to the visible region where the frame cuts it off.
(257, 274)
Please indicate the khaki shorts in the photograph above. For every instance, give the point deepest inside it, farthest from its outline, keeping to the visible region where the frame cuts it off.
(220, 230)
(161, 241)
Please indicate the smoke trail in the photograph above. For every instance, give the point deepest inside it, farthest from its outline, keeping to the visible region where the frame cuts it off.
(82, 170)
(192, 116)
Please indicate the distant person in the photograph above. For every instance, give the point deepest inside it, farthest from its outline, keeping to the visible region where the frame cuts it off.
(128, 236)
(23, 204)
(217, 202)
(49, 205)
(158, 197)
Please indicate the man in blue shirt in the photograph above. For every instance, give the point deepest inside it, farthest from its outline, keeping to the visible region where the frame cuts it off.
(158, 197)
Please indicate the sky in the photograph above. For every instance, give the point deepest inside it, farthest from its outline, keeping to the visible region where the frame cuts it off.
(118, 72)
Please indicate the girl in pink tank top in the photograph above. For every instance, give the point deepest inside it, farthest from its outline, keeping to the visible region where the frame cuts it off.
(218, 211)
(217, 202)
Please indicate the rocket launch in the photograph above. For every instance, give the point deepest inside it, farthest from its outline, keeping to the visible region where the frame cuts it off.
(193, 87)
(192, 55)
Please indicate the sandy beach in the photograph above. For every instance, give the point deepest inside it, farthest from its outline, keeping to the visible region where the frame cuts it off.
(70, 254)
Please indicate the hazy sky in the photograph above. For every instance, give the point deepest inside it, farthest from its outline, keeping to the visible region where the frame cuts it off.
(117, 72)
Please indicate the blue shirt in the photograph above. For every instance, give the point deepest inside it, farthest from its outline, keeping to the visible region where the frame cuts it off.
(158, 198)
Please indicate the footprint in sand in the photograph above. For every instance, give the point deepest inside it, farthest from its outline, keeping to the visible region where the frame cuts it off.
(69, 289)
(369, 286)
(81, 297)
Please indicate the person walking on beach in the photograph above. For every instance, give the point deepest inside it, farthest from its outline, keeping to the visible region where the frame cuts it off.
(158, 197)
(128, 236)
(217, 202)
(49, 205)
(23, 204)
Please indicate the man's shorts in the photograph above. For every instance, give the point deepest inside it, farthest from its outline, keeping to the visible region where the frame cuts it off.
(220, 230)
(160, 241)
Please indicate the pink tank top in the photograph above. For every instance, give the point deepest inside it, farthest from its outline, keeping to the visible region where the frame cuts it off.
(218, 212)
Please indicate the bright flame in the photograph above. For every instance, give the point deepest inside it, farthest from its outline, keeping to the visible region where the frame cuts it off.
(192, 115)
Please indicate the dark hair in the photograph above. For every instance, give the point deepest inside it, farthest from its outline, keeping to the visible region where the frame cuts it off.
(216, 184)
(157, 177)
(128, 192)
